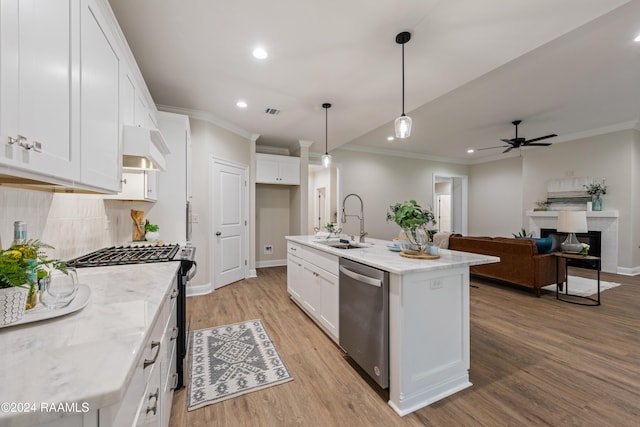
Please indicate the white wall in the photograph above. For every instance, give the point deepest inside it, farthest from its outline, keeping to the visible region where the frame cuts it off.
(382, 180)
(611, 156)
(272, 223)
(495, 198)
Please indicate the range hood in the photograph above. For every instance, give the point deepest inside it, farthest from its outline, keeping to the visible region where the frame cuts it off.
(144, 148)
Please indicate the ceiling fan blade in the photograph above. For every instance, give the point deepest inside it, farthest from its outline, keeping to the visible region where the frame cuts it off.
(489, 148)
(507, 150)
(508, 141)
(537, 144)
(540, 138)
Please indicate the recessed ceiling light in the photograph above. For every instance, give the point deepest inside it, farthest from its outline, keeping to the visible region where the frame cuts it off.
(241, 104)
(260, 53)
(637, 39)
(390, 138)
(471, 150)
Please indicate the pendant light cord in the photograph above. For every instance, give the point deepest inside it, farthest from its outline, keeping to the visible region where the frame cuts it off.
(403, 79)
(326, 130)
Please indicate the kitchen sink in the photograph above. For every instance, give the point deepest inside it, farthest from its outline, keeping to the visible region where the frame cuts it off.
(341, 244)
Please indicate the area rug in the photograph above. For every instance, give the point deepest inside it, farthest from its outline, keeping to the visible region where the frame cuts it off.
(232, 360)
(583, 287)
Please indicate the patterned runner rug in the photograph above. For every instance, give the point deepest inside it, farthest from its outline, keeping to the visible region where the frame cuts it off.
(232, 360)
(583, 286)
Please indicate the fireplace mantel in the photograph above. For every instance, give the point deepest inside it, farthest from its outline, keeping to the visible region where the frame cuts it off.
(590, 214)
(604, 221)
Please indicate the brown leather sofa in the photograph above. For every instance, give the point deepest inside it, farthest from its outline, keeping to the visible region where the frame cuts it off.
(520, 263)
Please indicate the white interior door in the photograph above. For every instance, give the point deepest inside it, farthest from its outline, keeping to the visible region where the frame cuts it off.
(229, 224)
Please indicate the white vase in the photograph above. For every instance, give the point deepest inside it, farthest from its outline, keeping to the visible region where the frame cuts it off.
(152, 236)
(13, 304)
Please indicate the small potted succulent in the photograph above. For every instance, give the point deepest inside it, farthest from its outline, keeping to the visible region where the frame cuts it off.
(151, 233)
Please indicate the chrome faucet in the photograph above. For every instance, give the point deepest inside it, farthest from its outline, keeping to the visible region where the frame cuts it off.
(360, 217)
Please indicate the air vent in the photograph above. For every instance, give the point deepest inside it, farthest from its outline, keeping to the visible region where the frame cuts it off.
(272, 111)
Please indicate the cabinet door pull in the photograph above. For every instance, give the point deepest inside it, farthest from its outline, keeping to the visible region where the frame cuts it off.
(149, 362)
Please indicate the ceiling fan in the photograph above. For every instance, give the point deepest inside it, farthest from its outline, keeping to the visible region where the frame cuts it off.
(518, 142)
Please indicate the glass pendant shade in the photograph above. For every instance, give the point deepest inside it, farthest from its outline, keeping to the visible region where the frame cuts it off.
(326, 160)
(403, 126)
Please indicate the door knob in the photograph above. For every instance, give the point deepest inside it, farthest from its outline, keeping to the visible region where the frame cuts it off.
(218, 233)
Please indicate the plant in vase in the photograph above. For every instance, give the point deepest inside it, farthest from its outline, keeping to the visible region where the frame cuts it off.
(595, 190)
(151, 233)
(20, 267)
(413, 220)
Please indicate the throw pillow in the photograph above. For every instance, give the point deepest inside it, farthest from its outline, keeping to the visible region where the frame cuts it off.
(556, 245)
(544, 244)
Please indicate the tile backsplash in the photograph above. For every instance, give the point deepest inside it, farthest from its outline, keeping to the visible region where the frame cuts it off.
(74, 224)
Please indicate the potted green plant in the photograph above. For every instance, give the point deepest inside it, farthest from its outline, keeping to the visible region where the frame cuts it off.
(151, 232)
(414, 221)
(595, 190)
(20, 267)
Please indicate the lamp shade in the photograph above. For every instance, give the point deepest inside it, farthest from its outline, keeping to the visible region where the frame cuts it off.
(572, 222)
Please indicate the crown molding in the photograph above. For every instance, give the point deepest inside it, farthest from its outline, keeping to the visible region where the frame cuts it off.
(203, 115)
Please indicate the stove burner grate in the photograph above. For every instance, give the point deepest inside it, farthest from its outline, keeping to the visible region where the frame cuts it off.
(120, 255)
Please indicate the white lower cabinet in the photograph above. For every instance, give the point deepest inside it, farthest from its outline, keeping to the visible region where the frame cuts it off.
(147, 401)
(312, 282)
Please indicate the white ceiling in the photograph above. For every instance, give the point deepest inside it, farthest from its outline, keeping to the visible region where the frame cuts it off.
(568, 67)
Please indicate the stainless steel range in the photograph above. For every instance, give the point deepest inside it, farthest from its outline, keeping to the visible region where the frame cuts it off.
(139, 254)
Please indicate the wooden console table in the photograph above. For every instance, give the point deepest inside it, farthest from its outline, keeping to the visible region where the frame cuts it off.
(579, 261)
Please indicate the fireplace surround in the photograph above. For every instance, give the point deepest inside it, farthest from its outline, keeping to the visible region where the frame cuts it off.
(606, 222)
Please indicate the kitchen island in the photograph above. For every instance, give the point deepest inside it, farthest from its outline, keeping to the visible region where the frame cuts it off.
(82, 369)
(428, 313)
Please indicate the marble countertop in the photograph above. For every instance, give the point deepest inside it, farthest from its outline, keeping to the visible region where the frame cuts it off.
(376, 254)
(87, 356)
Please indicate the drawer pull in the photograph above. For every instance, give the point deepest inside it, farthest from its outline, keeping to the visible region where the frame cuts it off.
(174, 333)
(149, 362)
(154, 396)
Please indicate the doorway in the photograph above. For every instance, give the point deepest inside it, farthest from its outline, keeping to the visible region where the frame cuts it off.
(450, 202)
(323, 205)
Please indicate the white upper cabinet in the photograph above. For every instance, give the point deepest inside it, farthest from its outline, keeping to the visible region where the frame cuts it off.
(273, 169)
(68, 83)
(100, 121)
(38, 67)
(138, 185)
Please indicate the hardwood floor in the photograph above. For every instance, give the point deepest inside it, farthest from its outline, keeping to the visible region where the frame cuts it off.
(534, 361)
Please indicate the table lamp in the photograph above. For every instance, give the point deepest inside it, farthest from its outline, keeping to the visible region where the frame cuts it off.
(572, 222)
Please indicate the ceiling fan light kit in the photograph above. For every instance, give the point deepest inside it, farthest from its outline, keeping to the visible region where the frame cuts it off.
(519, 142)
(326, 157)
(403, 123)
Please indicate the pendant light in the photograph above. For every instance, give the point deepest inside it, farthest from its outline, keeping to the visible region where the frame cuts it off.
(403, 123)
(326, 157)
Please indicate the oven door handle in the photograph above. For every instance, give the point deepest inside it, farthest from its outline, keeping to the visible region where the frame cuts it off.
(192, 271)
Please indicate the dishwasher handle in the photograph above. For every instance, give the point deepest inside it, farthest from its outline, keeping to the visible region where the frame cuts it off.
(360, 278)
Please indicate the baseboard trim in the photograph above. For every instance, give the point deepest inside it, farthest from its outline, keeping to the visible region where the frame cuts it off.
(271, 263)
(205, 289)
(633, 271)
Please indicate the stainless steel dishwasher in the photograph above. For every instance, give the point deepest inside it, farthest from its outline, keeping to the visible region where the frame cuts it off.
(364, 318)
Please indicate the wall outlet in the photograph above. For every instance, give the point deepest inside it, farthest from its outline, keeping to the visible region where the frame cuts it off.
(268, 249)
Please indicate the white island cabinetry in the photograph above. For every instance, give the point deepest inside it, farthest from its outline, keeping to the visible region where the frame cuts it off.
(312, 282)
(428, 317)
